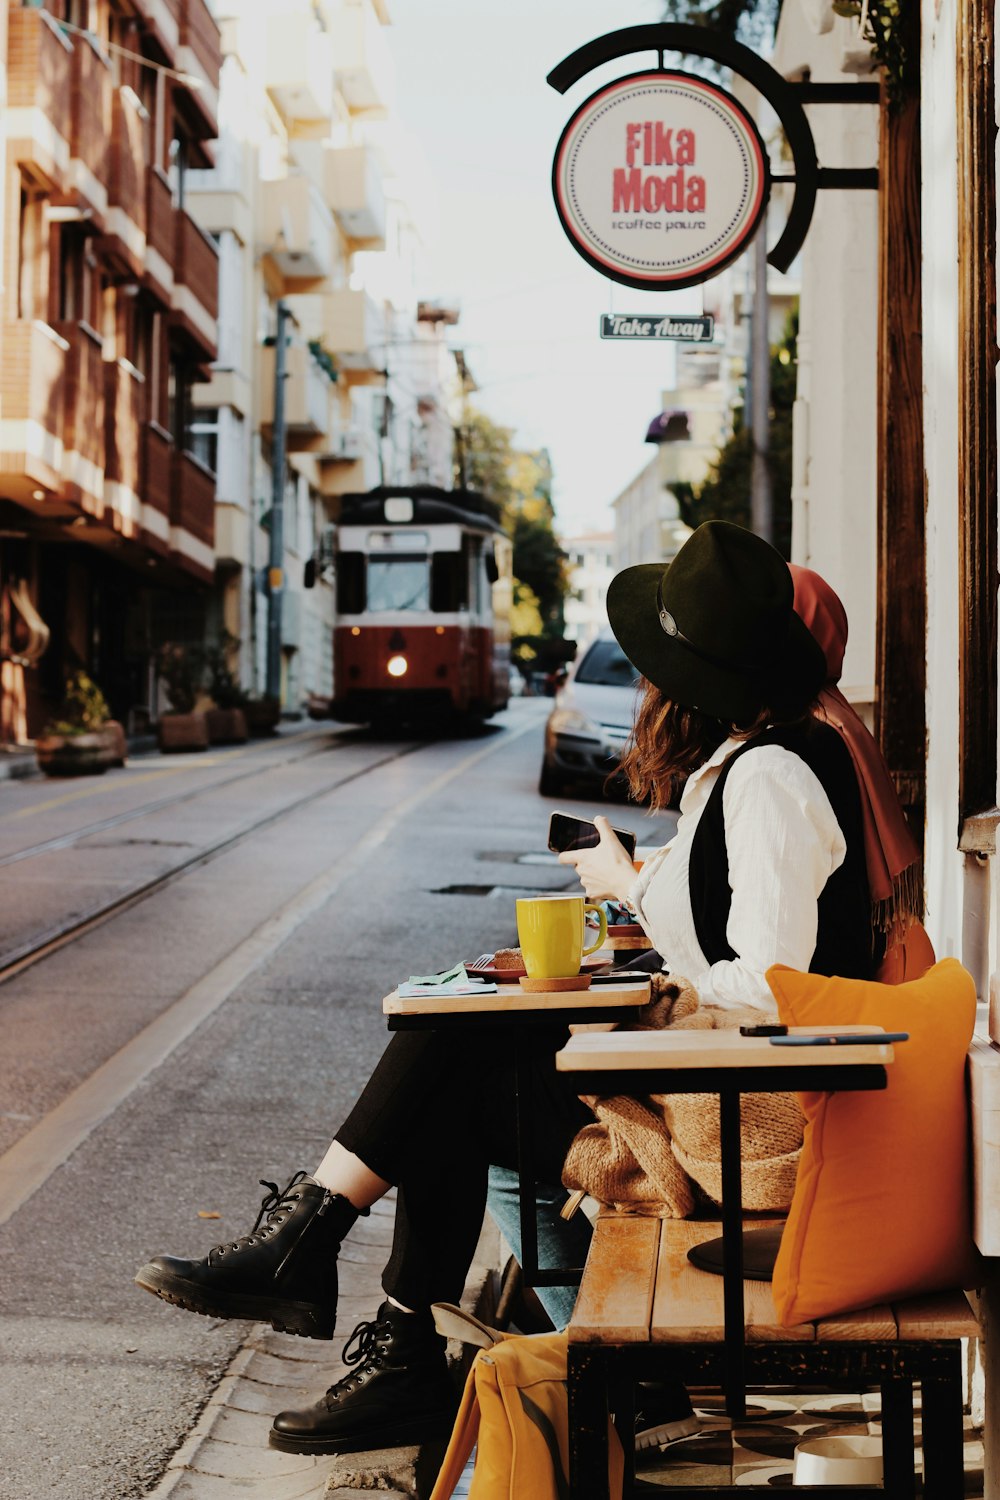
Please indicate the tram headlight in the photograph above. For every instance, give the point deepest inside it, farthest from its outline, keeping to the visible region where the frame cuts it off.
(396, 666)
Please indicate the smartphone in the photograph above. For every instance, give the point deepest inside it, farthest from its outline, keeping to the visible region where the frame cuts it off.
(567, 833)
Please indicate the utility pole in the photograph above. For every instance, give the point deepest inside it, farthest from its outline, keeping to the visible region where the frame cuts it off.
(275, 571)
(761, 498)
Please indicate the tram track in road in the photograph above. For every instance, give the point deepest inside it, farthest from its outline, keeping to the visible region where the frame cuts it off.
(15, 961)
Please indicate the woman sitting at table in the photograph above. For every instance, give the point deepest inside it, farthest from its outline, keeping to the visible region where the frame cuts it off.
(768, 866)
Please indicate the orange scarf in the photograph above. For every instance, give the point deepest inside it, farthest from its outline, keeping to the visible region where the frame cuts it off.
(891, 852)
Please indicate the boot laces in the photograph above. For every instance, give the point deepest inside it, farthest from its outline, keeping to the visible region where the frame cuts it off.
(373, 1338)
(275, 1205)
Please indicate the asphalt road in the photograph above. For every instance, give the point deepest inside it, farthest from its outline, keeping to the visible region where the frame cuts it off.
(213, 1034)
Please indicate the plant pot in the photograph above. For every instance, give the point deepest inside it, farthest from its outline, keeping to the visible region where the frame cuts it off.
(226, 726)
(178, 732)
(118, 742)
(262, 715)
(88, 754)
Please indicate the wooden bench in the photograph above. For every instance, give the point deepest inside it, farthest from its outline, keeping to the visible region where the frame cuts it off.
(645, 1312)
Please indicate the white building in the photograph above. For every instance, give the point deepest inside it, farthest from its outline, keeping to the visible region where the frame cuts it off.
(647, 522)
(591, 564)
(308, 205)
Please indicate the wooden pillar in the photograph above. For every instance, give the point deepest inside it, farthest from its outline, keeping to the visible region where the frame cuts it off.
(977, 406)
(900, 669)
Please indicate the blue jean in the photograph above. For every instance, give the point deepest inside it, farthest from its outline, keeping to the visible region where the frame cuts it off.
(561, 1242)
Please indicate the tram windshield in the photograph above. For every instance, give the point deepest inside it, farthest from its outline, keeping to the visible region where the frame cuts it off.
(398, 583)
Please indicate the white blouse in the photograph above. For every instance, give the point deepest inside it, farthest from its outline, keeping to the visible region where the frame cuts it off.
(783, 842)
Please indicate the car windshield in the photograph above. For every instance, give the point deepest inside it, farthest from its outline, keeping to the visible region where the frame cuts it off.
(607, 665)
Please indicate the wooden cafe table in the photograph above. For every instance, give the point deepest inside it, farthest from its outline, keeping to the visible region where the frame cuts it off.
(727, 1064)
(511, 1007)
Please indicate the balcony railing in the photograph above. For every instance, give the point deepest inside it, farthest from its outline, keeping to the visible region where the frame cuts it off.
(161, 230)
(83, 434)
(40, 61)
(196, 283)
(355, 193)
(362, 62)
(192, 498)
(307, 391)
(127, 176)
(157, 461)
(123, 397)
(31, 399)
(354, 331)
(296, 232)
(200, 54)
(91, 109)
(298, 65)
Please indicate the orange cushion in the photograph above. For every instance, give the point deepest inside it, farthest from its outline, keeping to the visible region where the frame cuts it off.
(882, 1198)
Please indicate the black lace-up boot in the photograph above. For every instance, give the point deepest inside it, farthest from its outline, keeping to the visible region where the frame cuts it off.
(284, 1272)
(398, 1392)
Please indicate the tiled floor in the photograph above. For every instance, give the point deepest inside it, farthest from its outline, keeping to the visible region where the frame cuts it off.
(759, 1452)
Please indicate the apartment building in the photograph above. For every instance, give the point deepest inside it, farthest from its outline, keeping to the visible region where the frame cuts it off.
(590, 562)
(109, 304)
(308, 205)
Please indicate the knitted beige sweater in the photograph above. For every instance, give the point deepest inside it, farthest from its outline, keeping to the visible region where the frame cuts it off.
(658, 1154)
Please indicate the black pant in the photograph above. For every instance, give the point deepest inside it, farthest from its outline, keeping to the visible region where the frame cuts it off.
(437, 1112)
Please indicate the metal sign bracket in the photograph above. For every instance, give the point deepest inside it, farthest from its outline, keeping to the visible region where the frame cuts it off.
(785, 98)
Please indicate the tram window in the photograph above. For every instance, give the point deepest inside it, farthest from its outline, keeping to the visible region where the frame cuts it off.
(351, 583)
(398, 583)
(448, 593)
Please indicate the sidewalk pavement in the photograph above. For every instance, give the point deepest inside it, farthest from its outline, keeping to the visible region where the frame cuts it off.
(228, 1448)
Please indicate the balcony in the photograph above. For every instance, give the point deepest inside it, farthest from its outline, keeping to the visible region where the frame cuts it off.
(192, 516)
(83, 417)
(123, 400)
(307, 397)
(31, 399)
(161, 234)
(362, 62)
(157, 456)
(353, 331)
(296, 233)
(199, 53)
(232, 535)
(38, 118)
(298, 66)
(126, 221)
(354, 191)
(195, 300)
(91, 94)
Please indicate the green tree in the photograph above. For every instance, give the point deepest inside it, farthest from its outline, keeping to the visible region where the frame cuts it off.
(521, 483)
(724, 495)
(749, 21)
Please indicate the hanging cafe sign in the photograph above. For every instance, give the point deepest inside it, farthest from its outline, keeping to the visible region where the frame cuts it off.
(661, 179)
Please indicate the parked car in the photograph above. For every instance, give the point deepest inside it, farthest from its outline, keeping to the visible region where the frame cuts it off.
(590, 720)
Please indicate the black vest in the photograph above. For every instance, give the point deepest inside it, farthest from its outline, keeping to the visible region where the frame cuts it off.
(844, 943)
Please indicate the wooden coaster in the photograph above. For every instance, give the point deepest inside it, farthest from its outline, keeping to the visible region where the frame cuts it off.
(555, 986)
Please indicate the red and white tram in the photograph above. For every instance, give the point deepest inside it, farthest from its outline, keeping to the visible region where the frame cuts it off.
(424, 590)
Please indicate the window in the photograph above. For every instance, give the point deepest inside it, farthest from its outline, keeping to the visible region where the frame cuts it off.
(398, 583)
(203, 436)
(351, 583)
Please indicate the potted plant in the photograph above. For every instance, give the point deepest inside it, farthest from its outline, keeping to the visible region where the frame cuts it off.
(181, 669)
(262, 714)
(84, 740)
(226, 721)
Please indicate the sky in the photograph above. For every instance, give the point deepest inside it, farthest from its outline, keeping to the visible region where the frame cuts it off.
(471, 92)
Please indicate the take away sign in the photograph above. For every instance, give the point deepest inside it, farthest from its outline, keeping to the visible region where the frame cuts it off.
(660, 180)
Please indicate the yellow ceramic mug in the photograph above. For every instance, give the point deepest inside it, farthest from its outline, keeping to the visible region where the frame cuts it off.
(550, 930)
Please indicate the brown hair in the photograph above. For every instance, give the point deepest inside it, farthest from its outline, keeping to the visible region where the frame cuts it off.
(669, 741)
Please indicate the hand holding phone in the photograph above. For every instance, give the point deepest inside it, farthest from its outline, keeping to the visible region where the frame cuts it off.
(568, 833)
(602, 862)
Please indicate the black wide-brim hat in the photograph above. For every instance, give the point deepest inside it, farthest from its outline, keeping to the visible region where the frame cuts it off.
(715, 629)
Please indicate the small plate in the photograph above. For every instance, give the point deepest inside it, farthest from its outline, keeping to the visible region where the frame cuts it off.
(487, 969)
